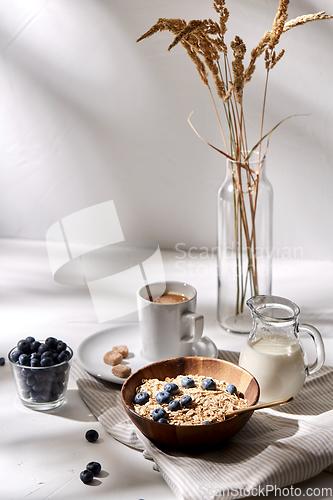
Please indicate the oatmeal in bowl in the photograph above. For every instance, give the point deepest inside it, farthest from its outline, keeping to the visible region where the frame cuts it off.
(187, 400)
(181, 403)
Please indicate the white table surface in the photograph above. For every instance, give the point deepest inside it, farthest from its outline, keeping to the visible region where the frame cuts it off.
(42, 453)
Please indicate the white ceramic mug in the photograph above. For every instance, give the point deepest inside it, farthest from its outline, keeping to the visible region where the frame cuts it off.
(167, 330)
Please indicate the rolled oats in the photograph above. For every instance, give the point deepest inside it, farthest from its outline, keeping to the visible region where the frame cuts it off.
(207, 405)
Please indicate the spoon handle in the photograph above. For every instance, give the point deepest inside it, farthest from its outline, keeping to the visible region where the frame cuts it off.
(258, 407)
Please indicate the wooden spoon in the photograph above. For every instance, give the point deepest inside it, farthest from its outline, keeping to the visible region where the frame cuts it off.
(258, 407)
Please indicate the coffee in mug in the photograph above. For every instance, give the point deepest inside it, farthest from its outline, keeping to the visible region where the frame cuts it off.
(169, 323)
(170, 298)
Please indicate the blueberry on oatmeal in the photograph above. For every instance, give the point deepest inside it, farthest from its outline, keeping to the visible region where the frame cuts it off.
(209, 384)
(174, 405)
(231, 389)
(188, 382)
(163, 397)
(186, 400)
(172, 388)
(162, 421)
(158, 413)
(141, 398)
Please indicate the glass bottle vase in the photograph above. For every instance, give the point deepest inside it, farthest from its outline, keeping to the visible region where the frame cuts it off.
(245, 210)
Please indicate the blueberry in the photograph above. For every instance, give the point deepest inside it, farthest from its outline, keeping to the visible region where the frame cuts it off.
(30, 381)
(26, 372)
(30, 339)
(159, 413)
(2, 361)
(231, 389)
(188, 382)
(46, 361)
(24, 346)
(51, 342)
(24, 386)
(186, 400)
(34, 346)
(48, 354)
(141, 398)
(92, 435)
(162, 421)
(174, 405)
(41, 375)
(15, 355)
(35, 355)
(34, 362)
(86, 476)
(63, 356)
(95, 467)
(207, 422)
(38, 386)
(61, 346)
(209, 384)
(163, 397)
(24, 359)
(42, 348)
(172, 388)
(38, 398)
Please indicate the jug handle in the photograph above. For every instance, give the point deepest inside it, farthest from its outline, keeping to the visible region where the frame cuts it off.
(317, 339)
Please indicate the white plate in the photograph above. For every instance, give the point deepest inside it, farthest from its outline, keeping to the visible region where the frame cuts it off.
(91, 351)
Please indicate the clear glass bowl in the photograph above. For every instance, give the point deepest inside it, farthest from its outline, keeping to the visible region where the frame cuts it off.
(41, 388)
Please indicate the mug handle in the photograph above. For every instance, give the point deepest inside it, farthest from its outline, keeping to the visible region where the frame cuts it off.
(196, 322)
(317, 339)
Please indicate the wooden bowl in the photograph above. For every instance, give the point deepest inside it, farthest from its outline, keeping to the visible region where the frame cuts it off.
(191, 437)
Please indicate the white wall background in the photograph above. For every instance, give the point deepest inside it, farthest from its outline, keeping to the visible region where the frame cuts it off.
(88, 115)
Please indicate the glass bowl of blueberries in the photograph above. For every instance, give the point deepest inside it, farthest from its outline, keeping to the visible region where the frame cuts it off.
(41, 371)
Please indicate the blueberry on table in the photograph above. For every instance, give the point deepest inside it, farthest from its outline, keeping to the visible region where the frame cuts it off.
(158, 413)
(94, 467)
(172, 388)
(86, 476)
(188, 382)
(186, 400)
(92, 435)
(24, 346)
(2, 361)
(209, 384)
(24, 359)
(174, 405)
(231, 389)
(162, 421)
(141, 398)
(163, 397)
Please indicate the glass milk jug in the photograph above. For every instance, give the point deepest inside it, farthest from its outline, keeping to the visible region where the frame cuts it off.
(273, 353)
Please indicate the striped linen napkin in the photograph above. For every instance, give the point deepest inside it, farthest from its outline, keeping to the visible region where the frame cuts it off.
(277, 447)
